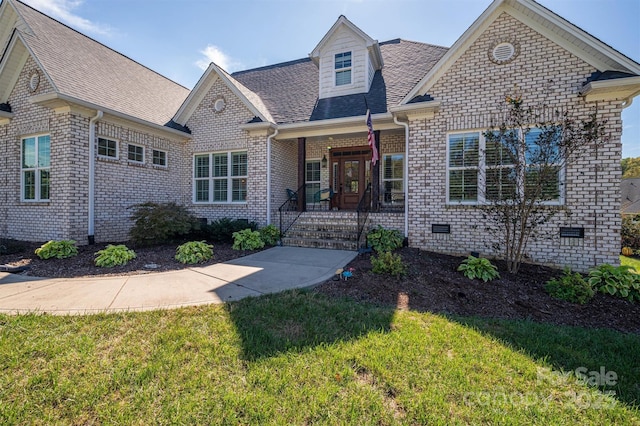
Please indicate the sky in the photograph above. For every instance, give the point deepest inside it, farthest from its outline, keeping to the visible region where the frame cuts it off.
(179, 38)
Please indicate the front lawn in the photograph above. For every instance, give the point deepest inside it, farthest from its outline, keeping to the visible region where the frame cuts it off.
(303, 357)
(631, 261)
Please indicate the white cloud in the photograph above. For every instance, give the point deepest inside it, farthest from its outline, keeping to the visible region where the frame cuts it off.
(62, 10)
(214, 54)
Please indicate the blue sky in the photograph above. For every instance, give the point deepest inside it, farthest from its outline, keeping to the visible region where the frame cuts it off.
(178, 38)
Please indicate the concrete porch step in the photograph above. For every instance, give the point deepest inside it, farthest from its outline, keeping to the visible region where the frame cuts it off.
(324, 234)
(320, 243)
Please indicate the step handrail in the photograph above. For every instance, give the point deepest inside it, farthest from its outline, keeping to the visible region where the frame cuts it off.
(291, 205)
(364, 207)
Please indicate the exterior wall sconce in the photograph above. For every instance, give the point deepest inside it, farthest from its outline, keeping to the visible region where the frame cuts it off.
(324, 161)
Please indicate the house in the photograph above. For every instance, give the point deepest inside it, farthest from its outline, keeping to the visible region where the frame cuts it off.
(85, 133)
(630, 194)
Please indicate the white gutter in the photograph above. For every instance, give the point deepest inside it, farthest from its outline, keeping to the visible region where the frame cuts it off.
(406, 174)
(271, 136)
(92, 176)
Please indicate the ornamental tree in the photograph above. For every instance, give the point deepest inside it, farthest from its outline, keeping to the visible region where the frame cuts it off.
(525, 159)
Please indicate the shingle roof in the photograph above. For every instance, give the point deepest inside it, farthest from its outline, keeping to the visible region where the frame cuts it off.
(630, 192)
(85, 69)
(290, 90)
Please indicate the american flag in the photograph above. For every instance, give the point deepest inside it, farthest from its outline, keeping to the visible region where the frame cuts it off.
(372, 140)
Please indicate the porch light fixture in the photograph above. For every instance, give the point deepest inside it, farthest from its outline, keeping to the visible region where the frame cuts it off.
(324, 161)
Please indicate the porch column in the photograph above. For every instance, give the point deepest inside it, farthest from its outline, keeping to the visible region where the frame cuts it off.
(302, 158)
(375, 176)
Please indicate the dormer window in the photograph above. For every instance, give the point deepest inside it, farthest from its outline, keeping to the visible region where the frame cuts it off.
(343, 68)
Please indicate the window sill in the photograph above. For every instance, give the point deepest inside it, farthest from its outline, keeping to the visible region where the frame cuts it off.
(108, 159)
(135, 163)
(35, 202)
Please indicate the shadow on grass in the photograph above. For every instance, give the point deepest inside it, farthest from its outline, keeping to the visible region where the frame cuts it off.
(566, 349)
(300, 319)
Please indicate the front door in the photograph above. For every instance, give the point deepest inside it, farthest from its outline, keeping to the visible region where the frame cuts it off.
(351, 173)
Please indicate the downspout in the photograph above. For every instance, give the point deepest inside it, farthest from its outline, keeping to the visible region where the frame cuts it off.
(269, 175)
(92, 172)
(406, 174)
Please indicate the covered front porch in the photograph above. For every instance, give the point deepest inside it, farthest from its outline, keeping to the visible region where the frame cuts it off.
(326, 191)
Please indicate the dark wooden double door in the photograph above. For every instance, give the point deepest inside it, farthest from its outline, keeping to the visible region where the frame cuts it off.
(349, 176)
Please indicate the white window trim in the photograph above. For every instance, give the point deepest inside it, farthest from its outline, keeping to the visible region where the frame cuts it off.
(210, 178)
(319, 182)
(383, 180)
(482, 173)
(107, 156)
(37, 194)
(337, 70)
(137, 146)
(166, 158)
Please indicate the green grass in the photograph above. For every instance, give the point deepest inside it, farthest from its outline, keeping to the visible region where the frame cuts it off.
(631, 261)
(302, 358)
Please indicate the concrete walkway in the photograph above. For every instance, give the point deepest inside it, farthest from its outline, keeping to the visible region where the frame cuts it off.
(269, 271)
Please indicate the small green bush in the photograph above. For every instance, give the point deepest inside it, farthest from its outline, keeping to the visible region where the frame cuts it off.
(389, 263)
(478, 267)
(222, 230)
(384, 240)
(114, 256)
(270, 235)
(58, 249)
(617, 281)
(247, 239)
(630, 231)
(194, 252)
(160, 223)
(571, 287)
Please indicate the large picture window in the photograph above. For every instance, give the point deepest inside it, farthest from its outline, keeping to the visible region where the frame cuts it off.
(36, 161)
(220, 177)
(483, 169)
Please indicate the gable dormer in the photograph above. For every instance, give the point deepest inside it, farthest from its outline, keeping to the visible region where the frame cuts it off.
(347, 59)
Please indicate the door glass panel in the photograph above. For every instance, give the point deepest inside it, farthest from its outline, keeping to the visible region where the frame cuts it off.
(351, 176)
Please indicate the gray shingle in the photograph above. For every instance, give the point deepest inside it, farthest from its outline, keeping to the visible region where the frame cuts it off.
(290, 89)
(85, 69)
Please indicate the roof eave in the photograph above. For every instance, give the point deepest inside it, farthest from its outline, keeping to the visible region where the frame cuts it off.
(619, 88)
(57, 100)
(335, 126)
(5, 117)
(416, 110)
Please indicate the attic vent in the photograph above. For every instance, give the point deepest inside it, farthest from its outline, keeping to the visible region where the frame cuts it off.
(219, 104)
(503, 52)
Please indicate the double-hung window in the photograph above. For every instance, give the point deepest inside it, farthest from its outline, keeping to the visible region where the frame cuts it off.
(36, 161)
(393, 178)
(343, 68)
(482, 168)
(312, 179)
(220, 177)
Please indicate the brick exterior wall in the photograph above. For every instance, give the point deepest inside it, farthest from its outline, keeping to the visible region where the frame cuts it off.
(475, 86)
(219, 132)
(118, 183)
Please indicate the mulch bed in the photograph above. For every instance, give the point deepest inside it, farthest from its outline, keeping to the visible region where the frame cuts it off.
(433, 284)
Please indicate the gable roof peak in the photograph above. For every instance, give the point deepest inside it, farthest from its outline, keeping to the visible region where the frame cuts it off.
(371, 44)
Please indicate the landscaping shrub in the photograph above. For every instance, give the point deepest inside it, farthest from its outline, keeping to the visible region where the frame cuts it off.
(160, 223)
(630, 231)
(114, 256)
(222, 230)
(384, 240)
(389, 263)
(58, 249)
(247, 239)
(571, 287)
(478, 267)
(617, 281)
(194, 252)
(270, 235)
